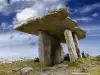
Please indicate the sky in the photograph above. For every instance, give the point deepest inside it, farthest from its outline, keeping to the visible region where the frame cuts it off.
(18, 44)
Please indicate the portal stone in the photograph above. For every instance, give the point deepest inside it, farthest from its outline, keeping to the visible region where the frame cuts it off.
(75, 37)
(50, 51)
(84, 54)
(71, 45)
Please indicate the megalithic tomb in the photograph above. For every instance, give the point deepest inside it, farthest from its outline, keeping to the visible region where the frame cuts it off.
(53, 28)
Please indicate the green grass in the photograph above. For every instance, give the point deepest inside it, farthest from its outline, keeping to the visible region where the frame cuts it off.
(22, 64)
(84, 62)
(80, 62)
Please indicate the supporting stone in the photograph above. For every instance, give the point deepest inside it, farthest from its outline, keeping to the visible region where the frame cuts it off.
(75, 37)
(59, 55)
(44, 48)
(49, 49)
(71, 45)
(84, 54)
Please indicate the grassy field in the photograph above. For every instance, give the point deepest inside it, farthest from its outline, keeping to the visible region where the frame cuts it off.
(92, 66)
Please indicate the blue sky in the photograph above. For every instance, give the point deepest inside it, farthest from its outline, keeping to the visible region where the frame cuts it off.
(14, 43)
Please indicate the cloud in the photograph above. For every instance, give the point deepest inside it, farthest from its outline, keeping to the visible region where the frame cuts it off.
(3, 3)
(95, 14)
(14, 6)
(89, 8)
(5, 27)
(39, 8)
(85, 9)
(25, 14)
(94, 35)
(83, 19)
(92, 28)
(15, 39)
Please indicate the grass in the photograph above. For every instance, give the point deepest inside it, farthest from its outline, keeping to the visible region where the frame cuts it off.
(22, 64)
(80, 62)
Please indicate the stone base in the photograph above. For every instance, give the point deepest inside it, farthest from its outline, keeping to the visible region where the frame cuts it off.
(71, 45)
(75, 37)
(50, 50)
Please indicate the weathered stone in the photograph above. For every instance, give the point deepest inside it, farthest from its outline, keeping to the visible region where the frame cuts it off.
(44, 48)
(75, 37)
(84, 70)
(36, 60)
(71, 45)
(50, 51)
(25, 70)
(2, 72)
(59, 55)
(66, 57)
(84, 55)
(16, 69)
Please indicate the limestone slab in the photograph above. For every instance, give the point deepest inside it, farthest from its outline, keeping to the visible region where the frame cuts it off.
(50, 51)
(71, 45)
(54, 23)
(76, 41)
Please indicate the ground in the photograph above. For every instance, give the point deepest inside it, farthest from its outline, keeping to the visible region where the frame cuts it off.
(90, 66)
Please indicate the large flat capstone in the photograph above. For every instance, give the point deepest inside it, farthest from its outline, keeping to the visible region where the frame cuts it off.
(54, 23)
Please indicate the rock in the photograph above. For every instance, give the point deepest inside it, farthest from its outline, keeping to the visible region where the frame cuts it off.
(66, 57)
(80, 73)
(84, 70)
(36, 60)
(14, 70)
(2, 72)
(45, 69)
(61, 66)
(25, 70)
(98, 58)
(84, 55)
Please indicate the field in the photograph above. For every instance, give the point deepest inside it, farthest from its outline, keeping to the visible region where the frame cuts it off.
(89, 65)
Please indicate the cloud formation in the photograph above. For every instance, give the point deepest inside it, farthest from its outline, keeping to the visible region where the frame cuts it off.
(89, 8)
(95, 15)
(83, 19)
(39, 8)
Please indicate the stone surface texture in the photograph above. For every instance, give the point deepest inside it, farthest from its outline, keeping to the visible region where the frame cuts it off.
(71, 45)
(76, 41)
(50, 50)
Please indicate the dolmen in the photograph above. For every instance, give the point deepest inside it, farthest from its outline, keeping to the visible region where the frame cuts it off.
(54, 28)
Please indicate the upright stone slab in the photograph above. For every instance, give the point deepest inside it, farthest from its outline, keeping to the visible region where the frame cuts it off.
(49, 49)
(59, 55)
(84, 54)
(71, 45)
(44, 48)
(75, 37)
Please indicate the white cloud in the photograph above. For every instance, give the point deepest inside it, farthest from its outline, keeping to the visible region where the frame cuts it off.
(39, 8)
(14, 5)
(92, 28)
(4, 26)
(25, 14)
(94, 35)
(86, 9)
(19, 45)
(95, 14)
(89, 8)
(15, 39)
(3, 3)
(83, 19)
